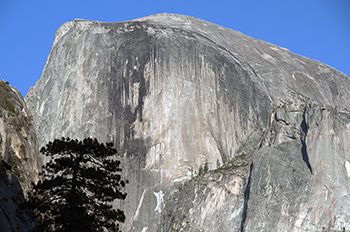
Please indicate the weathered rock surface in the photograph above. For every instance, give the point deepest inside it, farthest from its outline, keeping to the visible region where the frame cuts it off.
(215, 201)
(20, 160)
(174, 92)
(297, 181)
(300, 176)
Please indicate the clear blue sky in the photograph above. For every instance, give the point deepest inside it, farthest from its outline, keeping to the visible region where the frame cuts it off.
(318, 29)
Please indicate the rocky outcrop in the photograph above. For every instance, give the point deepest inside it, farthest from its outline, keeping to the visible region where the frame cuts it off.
(20, 161)
(298, 179)
(217, 200)
(173, 93)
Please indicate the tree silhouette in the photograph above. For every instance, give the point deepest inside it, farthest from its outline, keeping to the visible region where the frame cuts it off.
(80, 181)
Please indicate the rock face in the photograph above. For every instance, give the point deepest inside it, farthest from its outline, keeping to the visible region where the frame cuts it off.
(20, 161)
(214, 201)
(304, 182)
(174, 93)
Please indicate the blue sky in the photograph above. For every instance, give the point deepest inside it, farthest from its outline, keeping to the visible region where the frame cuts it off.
(318, 29)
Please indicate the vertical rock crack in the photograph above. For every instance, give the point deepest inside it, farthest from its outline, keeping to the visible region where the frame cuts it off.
(246, 198)
(304, 128)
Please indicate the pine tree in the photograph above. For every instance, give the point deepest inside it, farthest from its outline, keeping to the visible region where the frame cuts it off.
(79, 183)
(217, 163)
(200, 171)
(206, 167)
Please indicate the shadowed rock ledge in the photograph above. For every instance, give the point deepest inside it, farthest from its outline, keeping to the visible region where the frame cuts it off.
(173, 93)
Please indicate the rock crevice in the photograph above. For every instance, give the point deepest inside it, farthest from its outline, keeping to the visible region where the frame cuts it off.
(304, 128)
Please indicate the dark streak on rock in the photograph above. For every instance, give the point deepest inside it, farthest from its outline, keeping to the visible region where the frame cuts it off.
(127, 68)
(305, 128)
(246, 199)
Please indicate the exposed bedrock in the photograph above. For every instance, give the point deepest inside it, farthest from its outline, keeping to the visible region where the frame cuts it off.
(20, 160)
(300, 181)
(174, 92)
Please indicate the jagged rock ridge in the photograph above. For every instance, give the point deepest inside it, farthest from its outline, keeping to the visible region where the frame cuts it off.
(174, 92)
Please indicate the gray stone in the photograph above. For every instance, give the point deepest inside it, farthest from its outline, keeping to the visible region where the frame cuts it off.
(215, 201)
(174, 92)
(20, 160)
(299, 179)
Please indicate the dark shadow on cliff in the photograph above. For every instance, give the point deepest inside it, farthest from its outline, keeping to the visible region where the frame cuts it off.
(305, 128)
(246, 199)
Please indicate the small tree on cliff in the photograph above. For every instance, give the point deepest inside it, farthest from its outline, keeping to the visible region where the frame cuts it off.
(80, 181)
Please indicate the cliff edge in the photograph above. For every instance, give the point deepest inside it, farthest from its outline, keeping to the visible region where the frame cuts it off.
(20, 160)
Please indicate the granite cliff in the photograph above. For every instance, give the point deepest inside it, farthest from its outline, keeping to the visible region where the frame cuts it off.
(20, 160)
(175, 94)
